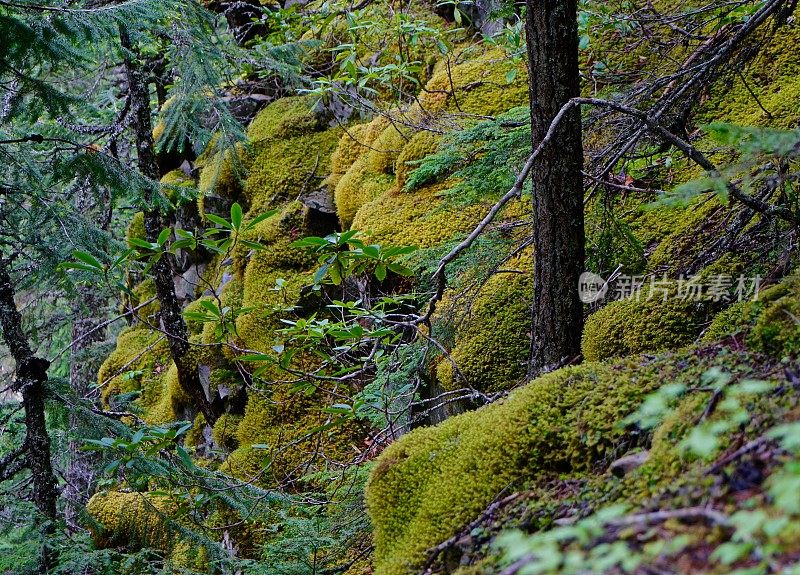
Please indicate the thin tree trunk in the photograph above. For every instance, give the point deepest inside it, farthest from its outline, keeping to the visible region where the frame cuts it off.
(552, 42)
(86, 333)
(171, 315)
(30, 381)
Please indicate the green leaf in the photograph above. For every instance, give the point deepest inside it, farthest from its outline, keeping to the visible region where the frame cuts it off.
(236, 215)
(219, 221)
(88, 259)
(163, 236)
(184, 457)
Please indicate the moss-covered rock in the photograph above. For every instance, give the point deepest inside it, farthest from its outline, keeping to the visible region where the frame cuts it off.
(769, 324)
(492, 345)
(631, 326)
(476, 82)
(435, 480)
(286, 118)
(132, 519)
(136, 229)
(359, 182)
(138, 361)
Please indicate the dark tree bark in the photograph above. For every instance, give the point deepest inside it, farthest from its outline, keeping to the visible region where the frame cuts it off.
(171, 314)
(30, 381)
(552, 40)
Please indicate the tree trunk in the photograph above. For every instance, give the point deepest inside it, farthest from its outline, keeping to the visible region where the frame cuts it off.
(30, 380)
(171, 315)
(86, 333)
(552, 41)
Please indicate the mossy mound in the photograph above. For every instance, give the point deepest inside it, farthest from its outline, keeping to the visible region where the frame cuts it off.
(286, 118)
(139, 361)
(492, 344)
(552, 443)
(773, 76)
(476, 82)
(136, 229)
(140, 520)
(416, 218)
(223, 174)
(132, 519)
(280, 170)
(769, 325)
(637, 325)
(360, 182)
(290, 152)
(435, 480)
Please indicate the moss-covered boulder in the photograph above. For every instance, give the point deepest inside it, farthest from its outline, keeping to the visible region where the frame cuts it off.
(435, 480)
(492, 341)
(637, 325)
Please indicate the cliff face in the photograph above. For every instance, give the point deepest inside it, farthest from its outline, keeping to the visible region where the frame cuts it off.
(545, 459)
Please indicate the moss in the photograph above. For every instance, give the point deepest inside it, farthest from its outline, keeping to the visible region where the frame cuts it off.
(492, 345)
(480, 82)
(770, 324)
(386, 148)
(773, 75)
(420, 145)
(145, 291)
(138, 361)
(416, 218)
(164, 399)
(352, 145)
(277, 441)
(225, 429)
(435, 480)
(277, 261)
(282, 169)
(222, 174)
(357, 183)
(631, 326)
(177, 186)
(132, 519)
(357, 187)
(195, 437)
(286, 118)
(776, 330)
(136, 229)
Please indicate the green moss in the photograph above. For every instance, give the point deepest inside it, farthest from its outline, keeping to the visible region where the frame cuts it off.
(420, 145)
(140, 358)
(773, 75)
(278, 261)
(146, 291)
(770, 324)
(357, 183)
(631, 326)
(177, 186)
(492, 345)
(225, 429)
(386, 148)
(480, 82)
(358, 186)
(435, 480)
(286, 118)
(282, 169)
(136, 229)
(277, 441)
(416, 218)
(352, 145)
(132, 519)
(222, 174)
